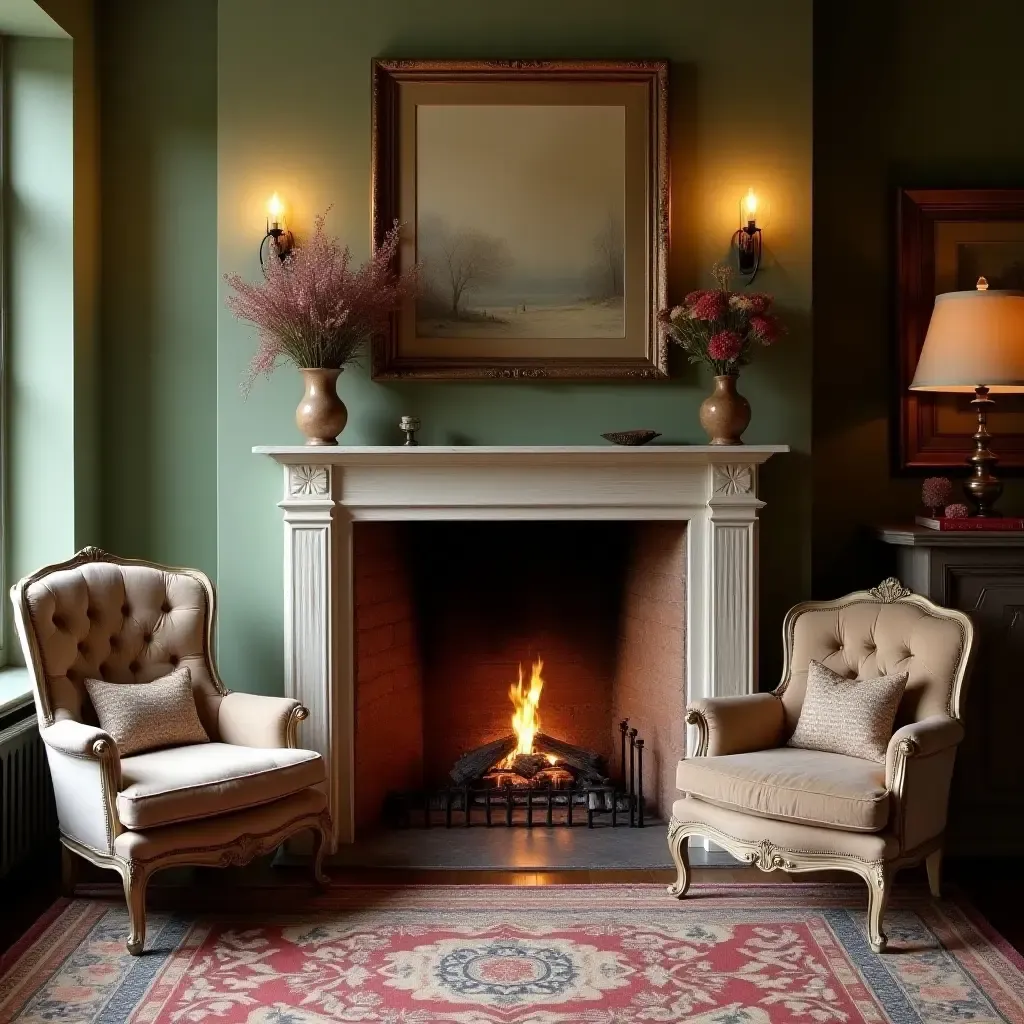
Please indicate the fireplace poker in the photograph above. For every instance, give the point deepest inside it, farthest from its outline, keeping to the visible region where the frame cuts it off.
(632, 776)
(640, 783)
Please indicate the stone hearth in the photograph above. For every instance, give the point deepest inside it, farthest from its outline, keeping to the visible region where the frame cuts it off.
(705, 498)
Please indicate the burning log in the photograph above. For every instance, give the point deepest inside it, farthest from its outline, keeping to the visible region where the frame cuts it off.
(529, 765)
(476, 763)
(585, 762)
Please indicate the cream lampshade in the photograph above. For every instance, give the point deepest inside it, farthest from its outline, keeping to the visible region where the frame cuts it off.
(975, 343)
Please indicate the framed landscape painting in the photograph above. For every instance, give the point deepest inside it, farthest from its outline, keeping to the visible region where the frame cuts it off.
(948, 238)
(533, 195)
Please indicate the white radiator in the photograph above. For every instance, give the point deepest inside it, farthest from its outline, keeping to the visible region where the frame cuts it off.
(27, 815)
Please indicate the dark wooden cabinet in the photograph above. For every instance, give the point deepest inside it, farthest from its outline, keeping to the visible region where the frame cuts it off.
(983, 575)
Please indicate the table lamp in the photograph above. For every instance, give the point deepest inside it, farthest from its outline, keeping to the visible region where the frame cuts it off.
(975, 343)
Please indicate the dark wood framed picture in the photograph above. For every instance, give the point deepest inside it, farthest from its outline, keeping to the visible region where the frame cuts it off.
(948, 238)
(534, 197)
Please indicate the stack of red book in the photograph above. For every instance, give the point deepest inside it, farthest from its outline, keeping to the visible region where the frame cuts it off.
(989, 523)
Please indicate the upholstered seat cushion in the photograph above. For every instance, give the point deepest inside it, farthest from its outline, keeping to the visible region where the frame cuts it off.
(184, 783)
(806, 786)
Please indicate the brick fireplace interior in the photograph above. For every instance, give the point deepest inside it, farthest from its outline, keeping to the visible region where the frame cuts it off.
(445, 612)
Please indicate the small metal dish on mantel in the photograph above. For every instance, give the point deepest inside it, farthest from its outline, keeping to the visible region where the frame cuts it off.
(631, 437)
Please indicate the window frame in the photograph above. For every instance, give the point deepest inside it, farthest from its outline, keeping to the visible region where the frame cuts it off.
(5, 626)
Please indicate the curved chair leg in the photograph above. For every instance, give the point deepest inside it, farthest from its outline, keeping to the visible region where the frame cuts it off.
(679, 847)
(878, 898)
(320, 842)
(136, 879)
(933, 865)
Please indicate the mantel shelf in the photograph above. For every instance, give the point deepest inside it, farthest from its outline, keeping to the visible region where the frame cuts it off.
(678, 454)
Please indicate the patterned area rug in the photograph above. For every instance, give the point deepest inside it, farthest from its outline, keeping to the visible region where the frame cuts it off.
(735, 954)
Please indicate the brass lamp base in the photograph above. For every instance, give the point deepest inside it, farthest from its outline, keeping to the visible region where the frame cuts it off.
(983, 487)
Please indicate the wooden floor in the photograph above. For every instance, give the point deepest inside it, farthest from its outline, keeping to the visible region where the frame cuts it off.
(996, 888)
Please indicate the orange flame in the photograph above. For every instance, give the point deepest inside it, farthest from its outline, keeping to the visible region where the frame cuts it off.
(525, 718)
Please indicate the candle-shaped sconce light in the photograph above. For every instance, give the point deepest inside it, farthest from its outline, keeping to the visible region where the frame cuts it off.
(747, 238)
(277, 238)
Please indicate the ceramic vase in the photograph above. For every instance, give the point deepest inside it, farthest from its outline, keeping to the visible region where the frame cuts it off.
(321, 414)
(725, 413)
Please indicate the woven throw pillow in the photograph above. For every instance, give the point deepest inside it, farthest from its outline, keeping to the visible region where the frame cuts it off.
(144, 716)
(848, 716)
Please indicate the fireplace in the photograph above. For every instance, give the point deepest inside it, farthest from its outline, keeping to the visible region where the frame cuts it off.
(495, 665)
(699, 501)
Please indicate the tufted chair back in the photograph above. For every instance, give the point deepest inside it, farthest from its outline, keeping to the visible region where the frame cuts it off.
(880, 632)
(97, 616)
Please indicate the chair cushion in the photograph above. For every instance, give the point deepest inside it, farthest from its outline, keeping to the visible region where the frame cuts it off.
(806, 786)
(145, 716)
(848, 716)
(184, 783)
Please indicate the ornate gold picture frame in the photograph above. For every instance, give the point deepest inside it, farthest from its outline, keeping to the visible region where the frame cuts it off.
(534, 197)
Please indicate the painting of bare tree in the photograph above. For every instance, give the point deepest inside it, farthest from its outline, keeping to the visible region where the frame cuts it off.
(519, 222)
(533, 199)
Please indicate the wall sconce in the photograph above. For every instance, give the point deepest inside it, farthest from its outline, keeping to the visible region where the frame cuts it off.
(281, 237)
(748, 237)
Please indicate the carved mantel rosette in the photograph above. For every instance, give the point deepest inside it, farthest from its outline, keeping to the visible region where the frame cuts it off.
(732, 478)
(308, 481)
(326, 491)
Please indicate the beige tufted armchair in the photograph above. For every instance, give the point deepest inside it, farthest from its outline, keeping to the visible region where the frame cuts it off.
(97, 616)
(785, 808)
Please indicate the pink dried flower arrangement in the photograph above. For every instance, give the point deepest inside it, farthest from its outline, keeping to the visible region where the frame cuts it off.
(719, 327)
(936, 492)
(957, 511)
(316, 310)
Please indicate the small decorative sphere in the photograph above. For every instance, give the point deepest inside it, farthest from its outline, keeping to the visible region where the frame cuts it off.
(956, 511)
(936, 491)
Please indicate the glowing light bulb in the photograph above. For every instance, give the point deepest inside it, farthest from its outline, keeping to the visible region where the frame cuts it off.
(275, 208)
(749, 206)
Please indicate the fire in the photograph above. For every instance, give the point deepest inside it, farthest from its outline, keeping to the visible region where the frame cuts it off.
(525, 716)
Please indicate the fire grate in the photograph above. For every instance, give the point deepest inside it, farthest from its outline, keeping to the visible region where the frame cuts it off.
(570, 791)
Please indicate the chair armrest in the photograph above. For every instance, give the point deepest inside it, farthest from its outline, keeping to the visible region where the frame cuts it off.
(76, 739)
(737, 725)
(85, 768)
(918, 772)
(253, 720)
(920, 739)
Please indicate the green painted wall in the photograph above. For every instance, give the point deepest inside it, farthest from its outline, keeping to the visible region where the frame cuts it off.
(920, 93)
(158, 76)
(917, 92)
(293, 110)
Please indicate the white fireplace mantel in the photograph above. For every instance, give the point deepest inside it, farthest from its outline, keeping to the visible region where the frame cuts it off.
(713, 488)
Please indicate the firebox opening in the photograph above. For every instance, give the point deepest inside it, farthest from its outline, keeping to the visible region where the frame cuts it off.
(448, 614)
